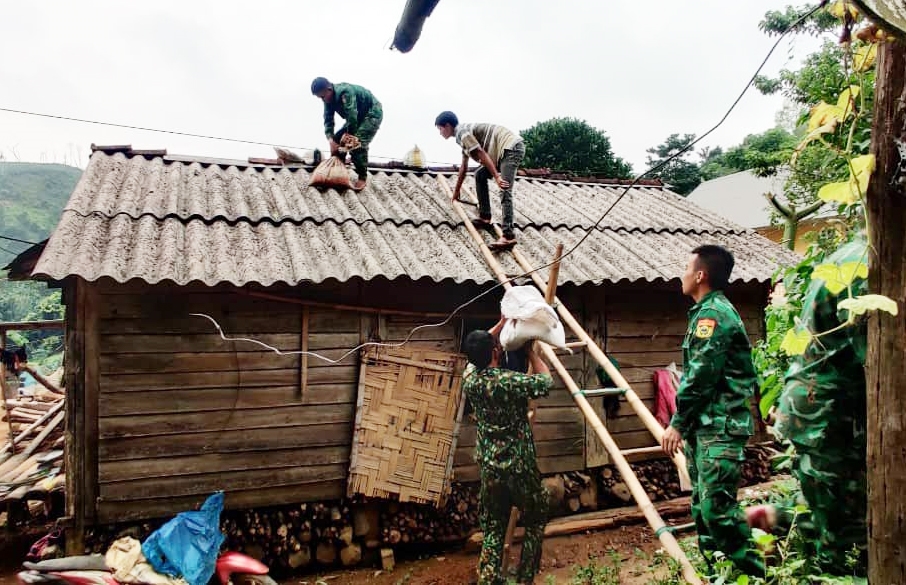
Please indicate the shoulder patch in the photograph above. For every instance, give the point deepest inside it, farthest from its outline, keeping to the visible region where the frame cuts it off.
(704, 328)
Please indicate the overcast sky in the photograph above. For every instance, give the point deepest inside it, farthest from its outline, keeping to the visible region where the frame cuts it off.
(637, 69)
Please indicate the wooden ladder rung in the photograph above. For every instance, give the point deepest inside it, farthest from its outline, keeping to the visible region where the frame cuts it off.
(641, 451)
(573, 344)
(603, 392)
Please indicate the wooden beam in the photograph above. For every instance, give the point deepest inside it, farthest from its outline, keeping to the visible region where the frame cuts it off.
(303, 358)
(30, 325)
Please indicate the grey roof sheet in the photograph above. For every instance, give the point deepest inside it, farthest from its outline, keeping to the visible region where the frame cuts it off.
(147, 218)
(162, 187)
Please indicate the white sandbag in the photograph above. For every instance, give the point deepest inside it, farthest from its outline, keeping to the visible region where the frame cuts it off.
(529, 318)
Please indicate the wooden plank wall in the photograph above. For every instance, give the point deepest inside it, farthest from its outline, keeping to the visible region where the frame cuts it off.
(183, 413)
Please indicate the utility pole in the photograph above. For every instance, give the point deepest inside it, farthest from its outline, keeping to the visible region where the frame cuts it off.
(886, 361)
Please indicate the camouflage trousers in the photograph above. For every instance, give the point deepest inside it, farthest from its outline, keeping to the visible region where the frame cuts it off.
(830, 464)
(507, 167)
(714, 464)
(499, 493)
(368, 127)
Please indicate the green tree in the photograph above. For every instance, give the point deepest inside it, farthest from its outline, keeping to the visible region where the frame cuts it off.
(573, 145)
(680, 174)
(762, 153)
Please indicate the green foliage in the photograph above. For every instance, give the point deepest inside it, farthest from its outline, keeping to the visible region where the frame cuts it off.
(569, 144)
(680, 174)
(771, 362)
(778, 22)
(762, 153)
(32, 197)
(598, 574)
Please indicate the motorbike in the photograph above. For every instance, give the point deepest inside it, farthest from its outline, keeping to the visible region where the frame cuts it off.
(232, 568)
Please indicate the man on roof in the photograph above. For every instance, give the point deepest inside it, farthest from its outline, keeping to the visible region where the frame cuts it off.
(499, 152)
(363, 114)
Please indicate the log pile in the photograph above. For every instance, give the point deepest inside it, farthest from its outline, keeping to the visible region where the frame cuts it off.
(660, 480)
(316, 536)
(32, 478)
(418, 524)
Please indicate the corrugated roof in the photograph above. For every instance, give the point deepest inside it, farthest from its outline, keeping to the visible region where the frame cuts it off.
(157, 186)
(155, 218)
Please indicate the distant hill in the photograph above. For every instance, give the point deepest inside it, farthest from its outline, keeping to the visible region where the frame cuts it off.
(32, 197)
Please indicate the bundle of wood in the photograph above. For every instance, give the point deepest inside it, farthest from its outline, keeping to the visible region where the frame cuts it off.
(660, 480)
(32, 478)
(421, 524)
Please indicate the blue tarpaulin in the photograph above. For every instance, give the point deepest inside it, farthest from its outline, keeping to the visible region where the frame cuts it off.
(188, 545)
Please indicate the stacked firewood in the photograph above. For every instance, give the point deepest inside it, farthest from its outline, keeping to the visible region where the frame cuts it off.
(419, 524)
(32, 478)
(661, 481)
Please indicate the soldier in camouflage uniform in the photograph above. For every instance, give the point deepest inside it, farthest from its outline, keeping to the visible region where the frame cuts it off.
(505, 453)
(822, 411)
(713, 411)
(362, 112)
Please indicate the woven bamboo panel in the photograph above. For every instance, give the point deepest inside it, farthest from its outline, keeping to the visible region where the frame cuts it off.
(407, 422)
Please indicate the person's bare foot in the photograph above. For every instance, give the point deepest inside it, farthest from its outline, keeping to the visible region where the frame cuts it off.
(358, 185)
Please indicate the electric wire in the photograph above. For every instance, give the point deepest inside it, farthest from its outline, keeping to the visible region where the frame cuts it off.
(587, 234)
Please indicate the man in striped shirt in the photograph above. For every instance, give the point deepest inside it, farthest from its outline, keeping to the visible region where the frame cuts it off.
(499, 152)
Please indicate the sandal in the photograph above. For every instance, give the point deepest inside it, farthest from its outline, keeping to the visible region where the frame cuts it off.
(501, 244)
(483, 224)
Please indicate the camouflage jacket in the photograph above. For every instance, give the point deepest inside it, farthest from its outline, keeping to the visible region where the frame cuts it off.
(499, 399)
(352, 103)
(719, 381)
(827, 383)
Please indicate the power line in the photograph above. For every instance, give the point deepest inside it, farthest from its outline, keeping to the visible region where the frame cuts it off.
(2, 237)
(572, 249)
(174, 132)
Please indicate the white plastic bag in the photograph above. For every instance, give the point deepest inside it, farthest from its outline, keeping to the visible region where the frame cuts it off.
(529, 318)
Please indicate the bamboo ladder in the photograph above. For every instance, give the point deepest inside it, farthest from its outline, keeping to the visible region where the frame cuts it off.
(617, 456)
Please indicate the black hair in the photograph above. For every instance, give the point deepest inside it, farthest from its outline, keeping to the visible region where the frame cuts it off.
(445, 118)
(717, 262)
(319, 84)
(479, 347)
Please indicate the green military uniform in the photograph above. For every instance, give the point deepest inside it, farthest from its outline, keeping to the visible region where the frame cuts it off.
(713, 416)
(363, 114)
(822, 411)
(507, 465)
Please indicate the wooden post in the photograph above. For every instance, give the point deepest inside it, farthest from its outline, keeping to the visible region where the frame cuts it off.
(303, 359)
(635, 487)
(885, 367)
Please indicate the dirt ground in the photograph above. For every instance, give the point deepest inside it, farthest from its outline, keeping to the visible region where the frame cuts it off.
(561, 555)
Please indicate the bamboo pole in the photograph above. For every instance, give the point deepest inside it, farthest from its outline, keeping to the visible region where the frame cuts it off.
(549, 296)
(635, 487)
(42, 380)
(650, 422)
(30, 428)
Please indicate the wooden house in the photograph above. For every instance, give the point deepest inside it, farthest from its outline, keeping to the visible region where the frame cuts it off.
(161, 411)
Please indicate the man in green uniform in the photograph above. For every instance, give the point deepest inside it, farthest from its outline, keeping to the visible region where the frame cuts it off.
(505, 452)
(363, 114)
(713, 411)
(822, 411)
